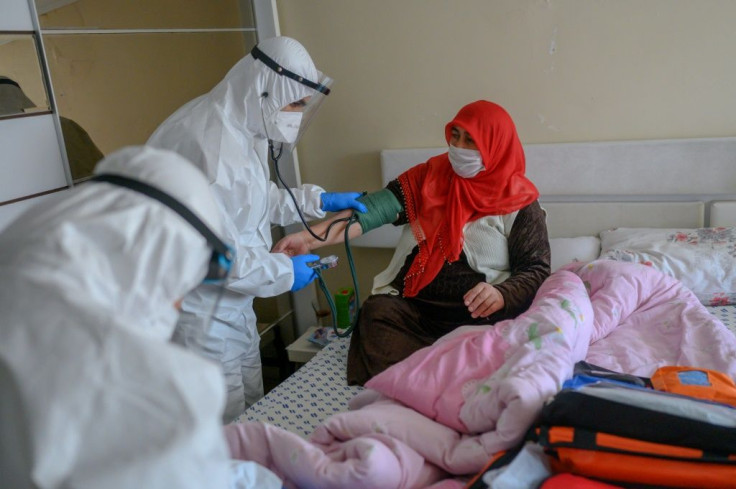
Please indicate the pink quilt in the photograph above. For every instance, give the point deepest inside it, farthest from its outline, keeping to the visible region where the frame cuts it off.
(440, 414)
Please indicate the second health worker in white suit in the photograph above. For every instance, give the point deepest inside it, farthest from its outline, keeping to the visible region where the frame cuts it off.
(270, 94)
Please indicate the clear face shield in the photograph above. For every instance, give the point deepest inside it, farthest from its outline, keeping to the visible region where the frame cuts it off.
(311, 106)
(286, 127)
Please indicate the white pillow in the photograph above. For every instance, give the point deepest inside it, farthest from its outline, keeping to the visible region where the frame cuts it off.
(568, 250)
(703, 259)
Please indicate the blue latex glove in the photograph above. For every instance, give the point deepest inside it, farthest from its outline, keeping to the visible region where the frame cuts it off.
(303, 275)
(333, 202)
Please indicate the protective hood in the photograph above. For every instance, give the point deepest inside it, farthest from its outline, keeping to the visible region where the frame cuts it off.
(91, 392)
(288, 124)
(216, 129)
(252, 92)
(114, 251)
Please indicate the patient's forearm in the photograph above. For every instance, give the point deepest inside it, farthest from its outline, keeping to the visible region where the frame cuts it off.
(337, 231)
(383, 208)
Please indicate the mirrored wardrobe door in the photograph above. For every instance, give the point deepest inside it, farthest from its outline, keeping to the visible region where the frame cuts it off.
(32, 166)
(22, 87)
(120, 67)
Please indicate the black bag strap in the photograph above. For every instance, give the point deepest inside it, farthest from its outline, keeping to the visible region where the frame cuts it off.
(585, 368)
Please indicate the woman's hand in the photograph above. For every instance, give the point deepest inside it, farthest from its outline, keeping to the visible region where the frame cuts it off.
(483, 300)
(293, 244)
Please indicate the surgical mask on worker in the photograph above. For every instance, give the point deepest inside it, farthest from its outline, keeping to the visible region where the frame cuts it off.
(284, 127)
(466, 163)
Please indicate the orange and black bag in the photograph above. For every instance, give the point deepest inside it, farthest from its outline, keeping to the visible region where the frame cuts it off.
(637, 436)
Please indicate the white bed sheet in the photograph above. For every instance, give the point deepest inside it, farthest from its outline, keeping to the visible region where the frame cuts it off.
(310, 395)
(319, 388)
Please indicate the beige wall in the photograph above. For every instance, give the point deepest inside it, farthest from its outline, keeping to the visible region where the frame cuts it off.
(566, 70)
(119, 88)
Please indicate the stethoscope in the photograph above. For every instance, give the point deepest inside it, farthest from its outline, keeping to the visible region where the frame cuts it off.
(352, 219)
(320, 266)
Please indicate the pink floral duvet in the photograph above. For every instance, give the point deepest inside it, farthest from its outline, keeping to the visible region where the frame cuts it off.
(440, 414)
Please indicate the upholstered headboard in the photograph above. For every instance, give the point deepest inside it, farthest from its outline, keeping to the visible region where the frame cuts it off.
(589, 187)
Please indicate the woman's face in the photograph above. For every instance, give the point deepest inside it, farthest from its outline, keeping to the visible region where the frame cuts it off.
(460, 138)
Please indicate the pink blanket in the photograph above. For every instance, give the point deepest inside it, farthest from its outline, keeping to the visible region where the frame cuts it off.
(441, 413)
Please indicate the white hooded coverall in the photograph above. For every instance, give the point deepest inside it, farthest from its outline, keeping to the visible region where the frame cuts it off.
(92, 393)
(223, 133)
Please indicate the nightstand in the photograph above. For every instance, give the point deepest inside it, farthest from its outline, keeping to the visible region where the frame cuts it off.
(302, 350)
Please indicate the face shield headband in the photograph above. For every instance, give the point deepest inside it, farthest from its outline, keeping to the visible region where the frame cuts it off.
(222, 255)
(263, 58)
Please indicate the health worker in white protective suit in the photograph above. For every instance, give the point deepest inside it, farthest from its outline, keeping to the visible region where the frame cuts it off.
(92, 392)
(269, 96)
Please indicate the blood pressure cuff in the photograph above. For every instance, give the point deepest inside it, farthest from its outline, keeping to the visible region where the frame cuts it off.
(383, 208)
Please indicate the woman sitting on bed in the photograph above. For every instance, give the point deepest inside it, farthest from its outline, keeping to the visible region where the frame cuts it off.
(475, 251)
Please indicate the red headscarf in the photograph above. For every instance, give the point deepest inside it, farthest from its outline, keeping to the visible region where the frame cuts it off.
(439, 202)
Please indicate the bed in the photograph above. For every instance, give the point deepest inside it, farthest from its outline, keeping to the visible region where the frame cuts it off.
(631, 201)
(310, 395)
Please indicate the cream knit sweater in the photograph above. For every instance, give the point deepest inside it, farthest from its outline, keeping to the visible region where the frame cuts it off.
(485, 245)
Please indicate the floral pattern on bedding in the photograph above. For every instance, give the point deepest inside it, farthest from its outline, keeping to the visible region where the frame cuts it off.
(714, 236)
(721, 299)
(704, 259)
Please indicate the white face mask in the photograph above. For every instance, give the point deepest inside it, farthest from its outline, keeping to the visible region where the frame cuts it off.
(467, 163)
(285, 127)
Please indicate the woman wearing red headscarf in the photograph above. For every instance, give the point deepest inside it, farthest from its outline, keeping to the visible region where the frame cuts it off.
(475, 251)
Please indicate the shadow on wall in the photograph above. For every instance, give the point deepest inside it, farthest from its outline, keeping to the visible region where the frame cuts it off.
(82, 152)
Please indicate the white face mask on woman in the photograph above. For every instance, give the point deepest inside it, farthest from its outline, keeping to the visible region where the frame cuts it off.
(285, 126)
(467, 163)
